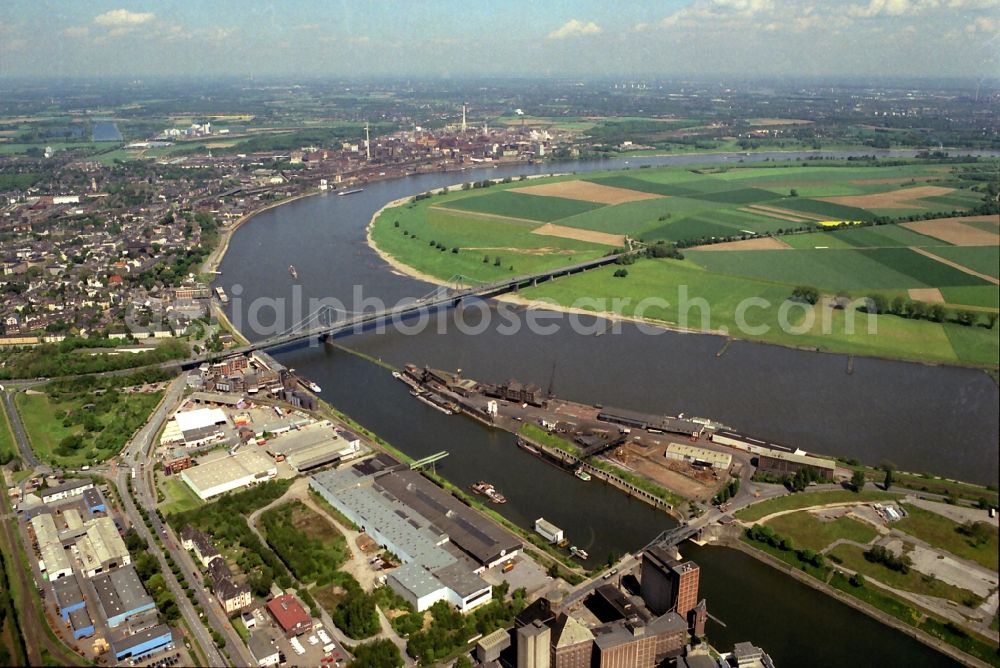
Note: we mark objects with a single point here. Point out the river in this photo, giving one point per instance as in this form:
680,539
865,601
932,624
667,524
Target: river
922,417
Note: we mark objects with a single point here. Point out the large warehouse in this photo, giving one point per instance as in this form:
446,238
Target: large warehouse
313,446
443,543
224,474
122,595
691,454
54,558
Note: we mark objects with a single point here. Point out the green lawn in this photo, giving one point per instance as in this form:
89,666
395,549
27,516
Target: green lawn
853,557
520,205
809,499
809,531
943,533
179,497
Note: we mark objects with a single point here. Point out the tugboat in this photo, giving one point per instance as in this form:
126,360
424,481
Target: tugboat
489,491
582,475
578,553
294,272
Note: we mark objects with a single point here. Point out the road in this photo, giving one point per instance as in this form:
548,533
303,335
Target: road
135,454
20,435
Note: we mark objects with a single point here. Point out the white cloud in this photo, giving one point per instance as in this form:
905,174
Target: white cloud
361,40
76,31
123,17
574,27
640,27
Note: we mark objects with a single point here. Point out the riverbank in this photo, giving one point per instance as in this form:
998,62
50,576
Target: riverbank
735,543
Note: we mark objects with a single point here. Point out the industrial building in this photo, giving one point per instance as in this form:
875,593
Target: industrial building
65,490
101,548
313,446
53,557
533,642
667,585
142,644
572,643
289,615
121,595
228,473
778,462
195,427
635,644
94,501
69,596
443,544
696,456
489,647
81,623
635,420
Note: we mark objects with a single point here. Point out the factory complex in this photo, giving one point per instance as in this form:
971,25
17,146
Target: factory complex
444,545
85,572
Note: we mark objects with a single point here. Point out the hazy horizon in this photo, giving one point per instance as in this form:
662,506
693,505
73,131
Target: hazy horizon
748,39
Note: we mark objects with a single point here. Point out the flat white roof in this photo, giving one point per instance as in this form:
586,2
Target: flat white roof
248,462
198,418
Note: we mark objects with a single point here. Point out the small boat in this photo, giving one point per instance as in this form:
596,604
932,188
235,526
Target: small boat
563,543
489,491
221,294
397,375
311,385
578,553
349,192
293,271
582,475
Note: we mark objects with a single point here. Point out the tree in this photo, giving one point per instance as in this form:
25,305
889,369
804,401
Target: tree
887,483
991,319
876,304
965,317
793,193
806,293
858,480
936,313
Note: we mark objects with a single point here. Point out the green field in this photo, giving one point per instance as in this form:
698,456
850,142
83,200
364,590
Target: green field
943,533
519,205
48,423
853,557
984,259
179,497
809,499
489,233
809,531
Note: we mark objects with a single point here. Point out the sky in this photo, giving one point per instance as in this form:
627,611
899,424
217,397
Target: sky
463,38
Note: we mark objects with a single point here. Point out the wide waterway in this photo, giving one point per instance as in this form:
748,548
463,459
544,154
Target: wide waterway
921,417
